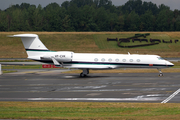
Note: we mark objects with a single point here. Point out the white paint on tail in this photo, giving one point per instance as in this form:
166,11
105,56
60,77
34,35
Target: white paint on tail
33,45
31,41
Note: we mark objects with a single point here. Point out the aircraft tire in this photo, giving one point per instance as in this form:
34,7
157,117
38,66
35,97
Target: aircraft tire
160,74
82,75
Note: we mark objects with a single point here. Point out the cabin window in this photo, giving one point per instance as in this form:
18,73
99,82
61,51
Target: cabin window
138,60
124,60
71,55
131,60
109,59
95,59
102,59
117,60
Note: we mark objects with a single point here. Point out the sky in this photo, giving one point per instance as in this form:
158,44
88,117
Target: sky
173,4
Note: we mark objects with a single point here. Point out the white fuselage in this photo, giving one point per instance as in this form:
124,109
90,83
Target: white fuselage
111,61
107,61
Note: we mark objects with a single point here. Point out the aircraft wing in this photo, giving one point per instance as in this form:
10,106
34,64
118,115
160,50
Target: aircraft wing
94,67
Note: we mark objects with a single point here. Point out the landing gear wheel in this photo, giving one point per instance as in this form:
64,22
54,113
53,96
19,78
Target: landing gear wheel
82,75
160,74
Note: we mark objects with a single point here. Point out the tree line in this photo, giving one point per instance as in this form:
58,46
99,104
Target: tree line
90,15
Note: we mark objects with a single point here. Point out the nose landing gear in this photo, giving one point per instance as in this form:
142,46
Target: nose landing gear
160,73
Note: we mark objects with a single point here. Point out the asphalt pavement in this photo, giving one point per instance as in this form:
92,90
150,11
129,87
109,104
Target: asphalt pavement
53,85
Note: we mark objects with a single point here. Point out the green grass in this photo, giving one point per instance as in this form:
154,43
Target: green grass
9,60
8,71
90,42
71,42
88,110
21,66
100,42
176,64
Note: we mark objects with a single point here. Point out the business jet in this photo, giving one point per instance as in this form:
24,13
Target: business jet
37,51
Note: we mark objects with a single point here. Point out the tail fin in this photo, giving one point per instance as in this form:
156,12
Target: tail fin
33,45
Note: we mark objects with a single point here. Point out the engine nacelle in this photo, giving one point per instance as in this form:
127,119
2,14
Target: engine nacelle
59,56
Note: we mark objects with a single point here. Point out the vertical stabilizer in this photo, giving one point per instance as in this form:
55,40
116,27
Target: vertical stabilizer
33,45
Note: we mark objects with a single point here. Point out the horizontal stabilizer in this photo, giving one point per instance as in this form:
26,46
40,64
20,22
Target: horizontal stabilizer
24,35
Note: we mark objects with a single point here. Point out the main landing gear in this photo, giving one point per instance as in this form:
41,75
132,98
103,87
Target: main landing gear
84,73
160,73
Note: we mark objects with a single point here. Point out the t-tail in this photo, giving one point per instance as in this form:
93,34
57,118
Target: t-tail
33,45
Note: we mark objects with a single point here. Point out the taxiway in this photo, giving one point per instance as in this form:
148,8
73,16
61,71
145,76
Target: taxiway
52,85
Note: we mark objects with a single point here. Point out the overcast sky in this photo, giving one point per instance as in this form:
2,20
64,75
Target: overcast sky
173,4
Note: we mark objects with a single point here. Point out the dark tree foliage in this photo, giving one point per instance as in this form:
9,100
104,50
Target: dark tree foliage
90,15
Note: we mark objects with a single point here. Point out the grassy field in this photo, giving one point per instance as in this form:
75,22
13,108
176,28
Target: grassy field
90,42
89,110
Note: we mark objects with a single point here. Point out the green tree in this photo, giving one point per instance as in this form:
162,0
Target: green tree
90,15
101,19
87,19
149,6
164,20
65,4
120,23
147,21
25,26
16,20
132,22
75,15
53,17
177,23
133,5
175,19
81,3
66,23
24,6
37,19
112,21
4,21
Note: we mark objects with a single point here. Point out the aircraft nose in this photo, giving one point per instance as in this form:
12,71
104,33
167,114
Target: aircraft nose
169,64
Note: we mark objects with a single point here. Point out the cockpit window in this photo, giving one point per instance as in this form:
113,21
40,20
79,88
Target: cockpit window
160,58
